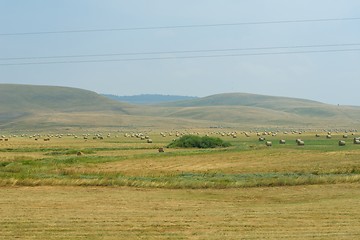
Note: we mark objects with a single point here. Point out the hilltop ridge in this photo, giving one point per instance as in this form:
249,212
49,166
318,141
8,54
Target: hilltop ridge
27,98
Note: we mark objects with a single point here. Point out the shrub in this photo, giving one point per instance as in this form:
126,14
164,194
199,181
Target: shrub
189,141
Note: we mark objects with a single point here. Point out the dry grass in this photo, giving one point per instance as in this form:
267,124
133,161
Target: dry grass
260,161
316,212
67,201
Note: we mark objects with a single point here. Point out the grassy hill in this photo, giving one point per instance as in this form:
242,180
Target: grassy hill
253,100
46,107
25,98
22,104
260,109
49,107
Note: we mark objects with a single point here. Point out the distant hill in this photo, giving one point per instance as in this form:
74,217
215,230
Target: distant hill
46,107
19,102
285,104
32,107
244,99
148,98
29,98
261,109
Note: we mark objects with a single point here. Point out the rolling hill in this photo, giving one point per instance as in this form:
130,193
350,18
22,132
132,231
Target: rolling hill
51,107
291,105
261,109
46,107
30,98
36,106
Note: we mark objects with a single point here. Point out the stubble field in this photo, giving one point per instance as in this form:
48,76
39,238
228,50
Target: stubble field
123,188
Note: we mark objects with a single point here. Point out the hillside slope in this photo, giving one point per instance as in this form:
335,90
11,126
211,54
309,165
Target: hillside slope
286,104
33,107
25,98
245,99
24,102
261,109
44,107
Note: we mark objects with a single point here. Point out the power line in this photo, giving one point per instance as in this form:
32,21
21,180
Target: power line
182,57
180,26
181,52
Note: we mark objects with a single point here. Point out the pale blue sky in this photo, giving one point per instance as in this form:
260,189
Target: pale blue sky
328,77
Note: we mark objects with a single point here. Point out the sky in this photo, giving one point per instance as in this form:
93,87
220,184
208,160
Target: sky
329,74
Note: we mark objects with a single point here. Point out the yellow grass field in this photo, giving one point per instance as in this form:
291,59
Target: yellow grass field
301,212
123,188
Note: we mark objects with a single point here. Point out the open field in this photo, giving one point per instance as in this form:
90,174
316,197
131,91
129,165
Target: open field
128,161
123,188
300,212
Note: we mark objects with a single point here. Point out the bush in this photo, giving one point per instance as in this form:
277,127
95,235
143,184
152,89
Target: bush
190,141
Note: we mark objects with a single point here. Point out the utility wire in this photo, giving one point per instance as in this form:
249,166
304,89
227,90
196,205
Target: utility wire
182,57
180,26
181,52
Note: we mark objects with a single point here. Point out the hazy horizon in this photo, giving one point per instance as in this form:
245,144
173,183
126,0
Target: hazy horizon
300,49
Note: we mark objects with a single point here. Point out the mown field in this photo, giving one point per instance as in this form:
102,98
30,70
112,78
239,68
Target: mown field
123,188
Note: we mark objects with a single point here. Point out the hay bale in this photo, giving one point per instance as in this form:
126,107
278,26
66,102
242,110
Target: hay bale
301,143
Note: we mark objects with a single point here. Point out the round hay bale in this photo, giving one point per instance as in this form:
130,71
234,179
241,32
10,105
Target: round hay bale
301,143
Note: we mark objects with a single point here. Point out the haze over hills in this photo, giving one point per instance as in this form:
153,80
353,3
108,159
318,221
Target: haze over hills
148,98
285,104
39,107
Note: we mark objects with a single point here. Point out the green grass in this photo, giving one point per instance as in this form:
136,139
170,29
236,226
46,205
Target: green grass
131,162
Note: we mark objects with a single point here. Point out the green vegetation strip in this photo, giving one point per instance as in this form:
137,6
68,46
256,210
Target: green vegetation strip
183,180
67,151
